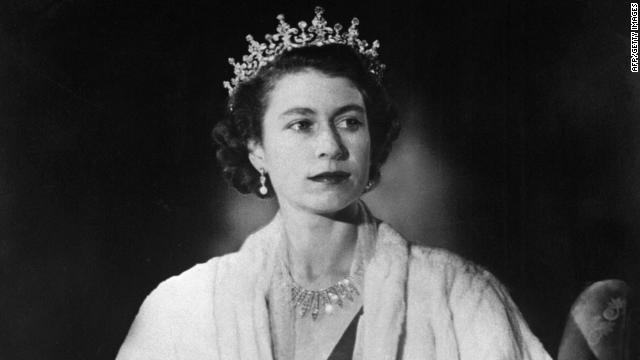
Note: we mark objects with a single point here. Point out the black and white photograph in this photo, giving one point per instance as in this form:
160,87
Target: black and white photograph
319,180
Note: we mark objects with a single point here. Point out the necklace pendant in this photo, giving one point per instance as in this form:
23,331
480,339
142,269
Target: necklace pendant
328,309
312,305
340,293
335,297
306,303
317,302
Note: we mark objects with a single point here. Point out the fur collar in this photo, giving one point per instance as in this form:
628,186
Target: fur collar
242,282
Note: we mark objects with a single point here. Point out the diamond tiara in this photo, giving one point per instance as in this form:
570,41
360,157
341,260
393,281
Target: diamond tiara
288,37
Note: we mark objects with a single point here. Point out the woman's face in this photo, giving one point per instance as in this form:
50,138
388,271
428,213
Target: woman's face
315,142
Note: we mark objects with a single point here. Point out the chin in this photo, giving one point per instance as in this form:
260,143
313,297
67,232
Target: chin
330,203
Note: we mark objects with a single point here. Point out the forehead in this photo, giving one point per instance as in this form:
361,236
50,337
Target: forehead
314,90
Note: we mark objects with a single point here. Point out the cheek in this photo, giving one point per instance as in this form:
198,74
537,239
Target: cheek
361,149
284,161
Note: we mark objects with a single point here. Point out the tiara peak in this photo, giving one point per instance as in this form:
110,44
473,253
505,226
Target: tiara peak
288,37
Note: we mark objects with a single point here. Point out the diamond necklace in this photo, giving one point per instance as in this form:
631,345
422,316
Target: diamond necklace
326,300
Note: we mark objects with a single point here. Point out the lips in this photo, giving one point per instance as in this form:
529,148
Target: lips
330,177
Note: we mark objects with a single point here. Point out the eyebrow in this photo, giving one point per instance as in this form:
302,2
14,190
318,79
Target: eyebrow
349,107
308,111
298,111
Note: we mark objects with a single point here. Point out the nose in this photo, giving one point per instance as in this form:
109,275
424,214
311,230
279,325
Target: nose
329,144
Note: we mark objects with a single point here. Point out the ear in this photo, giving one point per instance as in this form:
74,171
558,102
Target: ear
256,154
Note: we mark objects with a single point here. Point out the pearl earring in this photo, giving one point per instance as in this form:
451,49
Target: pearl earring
263,180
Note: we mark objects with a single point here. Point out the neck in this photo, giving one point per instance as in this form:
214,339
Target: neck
321,247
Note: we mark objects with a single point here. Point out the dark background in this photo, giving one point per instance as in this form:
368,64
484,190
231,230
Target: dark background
108,182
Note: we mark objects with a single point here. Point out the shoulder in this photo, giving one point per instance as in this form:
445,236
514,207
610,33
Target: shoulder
433,263
486,321
462,284
197,283
454,294
190,282
440,258
440,273
179,307
453,269
181,295
180,312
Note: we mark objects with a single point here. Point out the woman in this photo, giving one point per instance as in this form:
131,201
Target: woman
310,123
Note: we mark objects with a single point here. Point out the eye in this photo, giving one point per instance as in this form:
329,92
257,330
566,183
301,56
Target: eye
351,123
301,125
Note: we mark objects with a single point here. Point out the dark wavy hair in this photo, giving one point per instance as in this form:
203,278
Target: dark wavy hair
247,106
